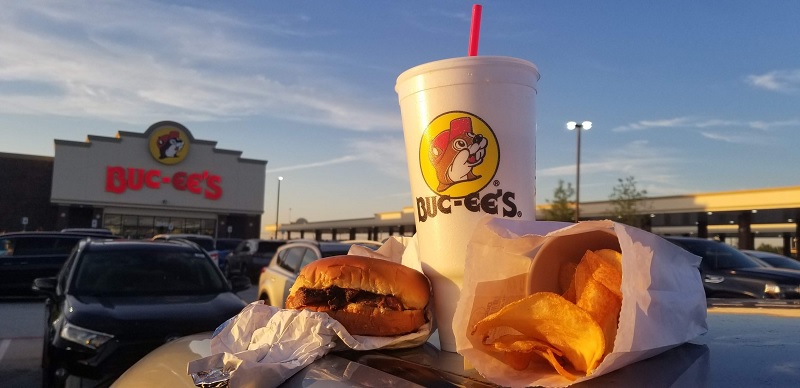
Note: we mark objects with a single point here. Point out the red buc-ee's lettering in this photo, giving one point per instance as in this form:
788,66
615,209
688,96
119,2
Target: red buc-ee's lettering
120,179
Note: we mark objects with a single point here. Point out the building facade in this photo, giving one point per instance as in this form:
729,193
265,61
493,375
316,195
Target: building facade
138,185
743,218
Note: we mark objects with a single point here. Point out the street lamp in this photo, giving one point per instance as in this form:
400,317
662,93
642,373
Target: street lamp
586,125
278,206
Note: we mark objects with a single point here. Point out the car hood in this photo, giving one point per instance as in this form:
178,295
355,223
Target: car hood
152,316
778,275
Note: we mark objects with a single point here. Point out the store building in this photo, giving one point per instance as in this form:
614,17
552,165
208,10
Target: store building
743,218
140,184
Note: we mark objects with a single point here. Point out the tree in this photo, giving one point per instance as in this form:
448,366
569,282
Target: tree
628,202
561,208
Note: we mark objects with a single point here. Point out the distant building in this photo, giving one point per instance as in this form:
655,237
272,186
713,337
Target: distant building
135,184
741,217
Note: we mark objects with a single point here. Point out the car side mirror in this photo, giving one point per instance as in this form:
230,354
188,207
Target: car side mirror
45,286
240,283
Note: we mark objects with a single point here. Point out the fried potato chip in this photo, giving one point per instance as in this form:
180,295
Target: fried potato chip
604,307
604,269
519,351
520,343
607,269
549,318
566,274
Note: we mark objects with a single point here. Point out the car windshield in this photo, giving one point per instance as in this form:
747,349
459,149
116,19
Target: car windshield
780,262
147,272
718,255
335,252
268,246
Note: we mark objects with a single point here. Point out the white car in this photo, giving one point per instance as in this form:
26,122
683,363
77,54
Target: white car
289,259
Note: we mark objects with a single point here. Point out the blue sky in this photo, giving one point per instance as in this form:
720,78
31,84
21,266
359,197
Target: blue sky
686,96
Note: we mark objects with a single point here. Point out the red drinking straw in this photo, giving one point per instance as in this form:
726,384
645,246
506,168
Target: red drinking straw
475,30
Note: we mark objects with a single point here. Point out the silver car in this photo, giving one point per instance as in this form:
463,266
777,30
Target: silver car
747,345
278,277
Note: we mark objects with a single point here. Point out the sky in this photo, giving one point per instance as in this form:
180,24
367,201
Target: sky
685,96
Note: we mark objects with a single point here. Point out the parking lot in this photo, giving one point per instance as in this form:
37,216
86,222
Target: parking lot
21,329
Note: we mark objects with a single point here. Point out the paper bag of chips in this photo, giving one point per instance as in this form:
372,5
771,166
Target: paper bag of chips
551,304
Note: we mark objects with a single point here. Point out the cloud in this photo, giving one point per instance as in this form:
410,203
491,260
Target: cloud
656,169
647,124
385,153
742,137
776,80
141,61
690,122
324,163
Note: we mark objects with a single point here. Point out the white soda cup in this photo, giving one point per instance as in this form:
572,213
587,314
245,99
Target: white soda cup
470,132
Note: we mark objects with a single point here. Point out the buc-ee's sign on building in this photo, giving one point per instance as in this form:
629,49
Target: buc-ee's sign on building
168,145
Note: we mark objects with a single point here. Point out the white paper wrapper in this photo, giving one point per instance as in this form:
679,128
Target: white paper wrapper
263,346
663,302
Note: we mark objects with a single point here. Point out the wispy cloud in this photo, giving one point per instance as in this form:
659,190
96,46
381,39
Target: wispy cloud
648,124
656,169
776,80
741,137
691,122
324,163
386,154
141,61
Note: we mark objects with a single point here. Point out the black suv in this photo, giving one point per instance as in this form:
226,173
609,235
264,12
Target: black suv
115,301
729,273
25,256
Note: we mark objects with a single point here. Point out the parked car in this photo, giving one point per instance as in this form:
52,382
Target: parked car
115,301
715,359
250,256
204,241
102,231
25,256
729,273
225,246
280,274
774,259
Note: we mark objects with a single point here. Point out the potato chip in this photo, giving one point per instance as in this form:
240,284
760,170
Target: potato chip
519,351
565,275
603,269
549,318
604,307
598,280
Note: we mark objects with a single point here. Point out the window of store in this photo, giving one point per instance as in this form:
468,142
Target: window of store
144,227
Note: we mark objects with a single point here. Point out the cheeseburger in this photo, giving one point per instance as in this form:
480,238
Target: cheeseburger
367,296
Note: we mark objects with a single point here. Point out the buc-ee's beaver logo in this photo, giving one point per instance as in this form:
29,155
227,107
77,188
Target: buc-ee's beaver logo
169,145
458,157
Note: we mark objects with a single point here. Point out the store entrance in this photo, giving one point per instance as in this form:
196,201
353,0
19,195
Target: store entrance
144,227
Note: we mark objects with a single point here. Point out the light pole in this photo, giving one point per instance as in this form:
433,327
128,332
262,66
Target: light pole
586,125
278,206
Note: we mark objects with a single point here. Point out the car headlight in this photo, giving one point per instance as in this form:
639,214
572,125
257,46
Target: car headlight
772,288
89,338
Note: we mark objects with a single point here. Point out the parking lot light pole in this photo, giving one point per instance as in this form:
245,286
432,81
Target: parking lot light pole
578,127
278,206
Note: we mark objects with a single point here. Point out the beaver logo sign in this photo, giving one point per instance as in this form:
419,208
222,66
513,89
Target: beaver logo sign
458,157
458,154
168,145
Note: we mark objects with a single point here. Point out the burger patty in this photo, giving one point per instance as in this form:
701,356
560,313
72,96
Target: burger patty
337,298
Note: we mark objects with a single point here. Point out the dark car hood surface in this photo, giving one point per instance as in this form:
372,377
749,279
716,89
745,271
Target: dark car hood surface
778,275
152,316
